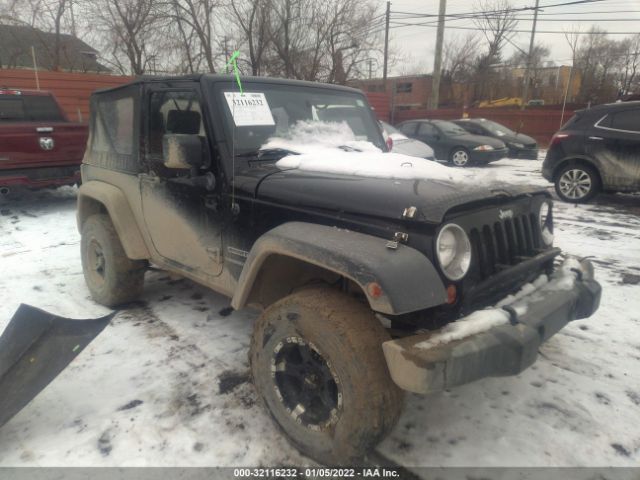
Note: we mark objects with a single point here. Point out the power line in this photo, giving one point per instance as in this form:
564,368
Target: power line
506,10
524,19
400,25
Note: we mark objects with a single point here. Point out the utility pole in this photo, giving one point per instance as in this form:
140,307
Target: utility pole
386,46
527,72
434,99
370,61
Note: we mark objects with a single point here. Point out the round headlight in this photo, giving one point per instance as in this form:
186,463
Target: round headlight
453,251
544,217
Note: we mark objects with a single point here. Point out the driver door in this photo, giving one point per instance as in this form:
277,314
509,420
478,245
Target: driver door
182,230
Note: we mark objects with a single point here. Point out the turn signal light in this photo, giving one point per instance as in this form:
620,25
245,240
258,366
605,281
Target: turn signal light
374,289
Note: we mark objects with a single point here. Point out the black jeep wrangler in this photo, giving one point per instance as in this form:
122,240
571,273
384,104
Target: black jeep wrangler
375,272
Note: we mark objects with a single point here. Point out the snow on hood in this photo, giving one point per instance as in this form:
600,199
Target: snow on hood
310,137
326,148
372,164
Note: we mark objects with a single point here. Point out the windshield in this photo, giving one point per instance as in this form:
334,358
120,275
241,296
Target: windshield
497,129
265,113
449,128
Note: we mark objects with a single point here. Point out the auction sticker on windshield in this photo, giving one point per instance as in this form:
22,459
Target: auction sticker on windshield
249,108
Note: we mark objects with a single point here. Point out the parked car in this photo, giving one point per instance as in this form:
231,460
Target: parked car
39,146
519,144
400,143
454,144
242,193
597,150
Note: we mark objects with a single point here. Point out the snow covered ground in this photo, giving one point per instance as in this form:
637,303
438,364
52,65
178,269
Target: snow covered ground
166,384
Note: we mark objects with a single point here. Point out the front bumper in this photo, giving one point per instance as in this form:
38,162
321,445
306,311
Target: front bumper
486,156
524,153
421,364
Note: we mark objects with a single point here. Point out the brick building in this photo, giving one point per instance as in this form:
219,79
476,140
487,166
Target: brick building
550,83
411,92
406,92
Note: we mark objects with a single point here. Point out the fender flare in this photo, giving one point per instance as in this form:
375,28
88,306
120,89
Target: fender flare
117,206
409,282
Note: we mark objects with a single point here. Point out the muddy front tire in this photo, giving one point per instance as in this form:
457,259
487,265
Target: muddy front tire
318,367
113,279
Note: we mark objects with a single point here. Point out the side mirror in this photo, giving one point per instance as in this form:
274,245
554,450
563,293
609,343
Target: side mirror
181,151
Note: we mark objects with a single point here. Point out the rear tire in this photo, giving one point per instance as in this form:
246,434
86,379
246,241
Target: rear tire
577,183
318,367
112,277
460,157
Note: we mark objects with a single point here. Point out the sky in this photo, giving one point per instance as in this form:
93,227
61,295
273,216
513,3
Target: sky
416,45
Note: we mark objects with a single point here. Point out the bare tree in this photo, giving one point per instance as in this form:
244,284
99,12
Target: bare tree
199,16
460,56
328,41
598,60
253,18
630,64
129,28
496,20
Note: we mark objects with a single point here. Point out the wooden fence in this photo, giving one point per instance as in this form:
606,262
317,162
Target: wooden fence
72,90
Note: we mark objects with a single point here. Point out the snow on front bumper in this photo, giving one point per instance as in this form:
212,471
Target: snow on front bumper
498,341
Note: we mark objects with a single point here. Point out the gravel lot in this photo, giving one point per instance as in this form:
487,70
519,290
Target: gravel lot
166,384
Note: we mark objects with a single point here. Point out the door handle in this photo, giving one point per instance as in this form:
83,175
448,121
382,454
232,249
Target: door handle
596,138
44,129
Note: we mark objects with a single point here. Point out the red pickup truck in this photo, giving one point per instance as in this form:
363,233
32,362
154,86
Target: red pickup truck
39,146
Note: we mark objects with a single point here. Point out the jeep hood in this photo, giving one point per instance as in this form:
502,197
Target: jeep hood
379,197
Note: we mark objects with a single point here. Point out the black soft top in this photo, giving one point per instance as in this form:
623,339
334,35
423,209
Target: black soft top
210,77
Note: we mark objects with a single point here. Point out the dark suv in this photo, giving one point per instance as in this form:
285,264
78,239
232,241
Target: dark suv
597,150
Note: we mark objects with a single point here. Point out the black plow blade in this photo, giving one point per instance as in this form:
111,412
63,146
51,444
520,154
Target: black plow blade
34,348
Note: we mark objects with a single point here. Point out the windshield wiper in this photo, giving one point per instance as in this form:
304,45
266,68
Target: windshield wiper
267,154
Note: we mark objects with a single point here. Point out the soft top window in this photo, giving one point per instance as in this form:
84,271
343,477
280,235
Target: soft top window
114,126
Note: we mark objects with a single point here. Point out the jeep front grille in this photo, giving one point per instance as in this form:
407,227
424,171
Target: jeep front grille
507,242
